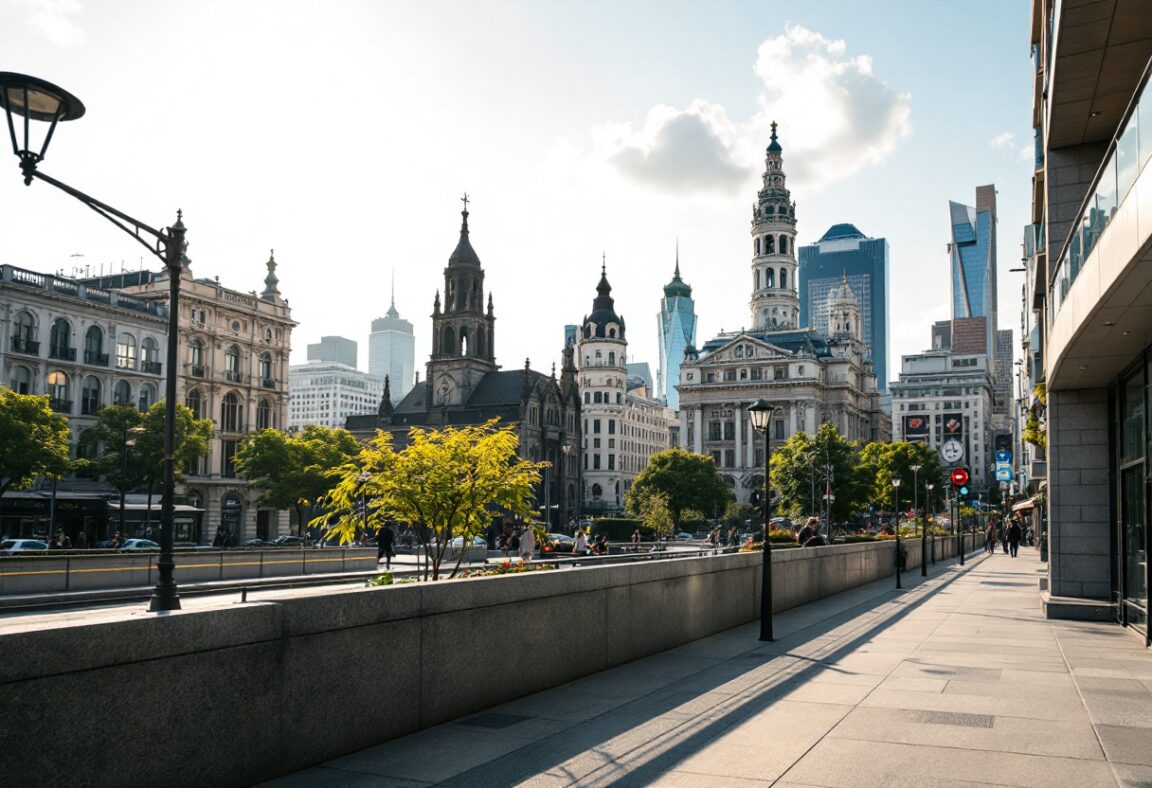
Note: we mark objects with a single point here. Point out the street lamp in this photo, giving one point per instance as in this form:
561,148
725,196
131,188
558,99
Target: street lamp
931,487
31,99
896,512
566,451
761,415
916,515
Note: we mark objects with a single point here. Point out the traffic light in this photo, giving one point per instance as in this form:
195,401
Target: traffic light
959,479
962,492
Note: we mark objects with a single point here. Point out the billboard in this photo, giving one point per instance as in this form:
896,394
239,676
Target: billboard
915,427
953,425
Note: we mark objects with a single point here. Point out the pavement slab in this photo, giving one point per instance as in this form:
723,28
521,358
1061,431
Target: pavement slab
956,681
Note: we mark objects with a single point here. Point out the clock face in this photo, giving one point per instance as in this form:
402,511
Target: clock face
952,451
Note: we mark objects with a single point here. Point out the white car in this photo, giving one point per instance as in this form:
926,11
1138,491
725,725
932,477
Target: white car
13,546
139,544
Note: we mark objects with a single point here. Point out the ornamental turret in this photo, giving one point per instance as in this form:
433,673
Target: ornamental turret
775,303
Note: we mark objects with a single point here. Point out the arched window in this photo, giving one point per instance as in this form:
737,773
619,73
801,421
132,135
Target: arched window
597,397
196,358
90,396
587,332
769,245
480,343
195,403
24,333
125,351
612,333
231,413
447,342
94,347
756,245
150,356
264,368
264,415
783,278
60,340
122,394
86,448
147,396
22,380
611,358
58,392
769,278
232,364
463,342
783,244
597,492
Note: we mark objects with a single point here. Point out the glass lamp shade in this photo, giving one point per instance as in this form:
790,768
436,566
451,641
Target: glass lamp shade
37,99
761,415
896,482
916,468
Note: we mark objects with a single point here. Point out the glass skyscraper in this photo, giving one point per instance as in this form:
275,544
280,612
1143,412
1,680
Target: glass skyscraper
846,254
972,254
677,331
391,352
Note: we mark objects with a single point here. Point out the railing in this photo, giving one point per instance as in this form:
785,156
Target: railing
233,377
151,367
199,371
62,353
96,358
61,405
1128,152
75,289
268,383
28,346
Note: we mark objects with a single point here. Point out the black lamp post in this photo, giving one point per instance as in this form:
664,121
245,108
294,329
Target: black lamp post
896,514
919,519
761,415
29,98
928,503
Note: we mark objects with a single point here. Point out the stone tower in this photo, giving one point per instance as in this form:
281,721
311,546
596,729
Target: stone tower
775,303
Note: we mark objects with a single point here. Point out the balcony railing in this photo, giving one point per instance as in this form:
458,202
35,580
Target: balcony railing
199,371
151,367
62,353
1128,153
61,405
268,383
28,346
96,358
232,376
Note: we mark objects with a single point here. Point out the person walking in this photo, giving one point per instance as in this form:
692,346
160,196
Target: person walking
581,547
385,545
1014,534
990,539
527,544
636,541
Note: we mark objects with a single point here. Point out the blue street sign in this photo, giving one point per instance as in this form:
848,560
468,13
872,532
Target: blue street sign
1003,455
1004,473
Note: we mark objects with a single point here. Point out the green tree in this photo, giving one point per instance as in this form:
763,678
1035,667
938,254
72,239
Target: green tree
737,514
887,461
805,464
191,440
294,471
112,440
451,482
689,481
33,442
654,513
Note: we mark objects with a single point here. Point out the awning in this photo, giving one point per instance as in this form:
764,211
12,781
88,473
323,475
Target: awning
143,507
1023,505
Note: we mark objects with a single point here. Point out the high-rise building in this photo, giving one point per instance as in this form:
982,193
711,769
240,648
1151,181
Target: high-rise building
845,253
337,350
1088,255
571,334
677,331
972,256
775,304
328,389
392,352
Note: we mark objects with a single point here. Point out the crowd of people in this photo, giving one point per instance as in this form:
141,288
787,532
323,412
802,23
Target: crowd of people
1009,534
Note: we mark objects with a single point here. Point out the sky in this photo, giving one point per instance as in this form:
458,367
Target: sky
342,134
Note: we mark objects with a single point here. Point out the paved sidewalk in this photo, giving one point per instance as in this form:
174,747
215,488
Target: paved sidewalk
956,681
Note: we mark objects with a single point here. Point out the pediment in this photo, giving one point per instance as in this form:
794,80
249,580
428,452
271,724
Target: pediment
747,349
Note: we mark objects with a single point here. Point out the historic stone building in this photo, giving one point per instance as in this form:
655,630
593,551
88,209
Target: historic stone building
812,375
464,385
623,426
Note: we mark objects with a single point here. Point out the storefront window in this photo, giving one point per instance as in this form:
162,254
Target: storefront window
1133,504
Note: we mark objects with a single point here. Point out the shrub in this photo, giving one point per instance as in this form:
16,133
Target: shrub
384,579
619,529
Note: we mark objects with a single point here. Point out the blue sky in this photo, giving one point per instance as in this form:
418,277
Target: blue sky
343,133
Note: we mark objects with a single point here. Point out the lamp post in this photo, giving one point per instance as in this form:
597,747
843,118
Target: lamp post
365,477
127,443
31,99
761,415
896,514
928,503
566,452
916,515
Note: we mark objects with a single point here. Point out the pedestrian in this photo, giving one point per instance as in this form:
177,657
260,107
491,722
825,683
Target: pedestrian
81,540
732,539
1004,537
1014,534
385,545
581,546
990,539
527,544
810,529
65,542
506,536
636,541
600,545
117,540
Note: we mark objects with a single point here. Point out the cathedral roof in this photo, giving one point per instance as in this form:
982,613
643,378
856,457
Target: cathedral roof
604,308
464,253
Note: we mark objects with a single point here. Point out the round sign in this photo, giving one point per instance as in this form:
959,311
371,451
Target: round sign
952,450
959,478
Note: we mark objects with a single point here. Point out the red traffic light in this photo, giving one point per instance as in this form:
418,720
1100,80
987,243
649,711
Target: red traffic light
959,477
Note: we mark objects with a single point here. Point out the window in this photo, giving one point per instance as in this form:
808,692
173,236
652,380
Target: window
150,356
595,443
264,415
783,274
611,426
22,380
264,366
757,277
196,357
716,458
596,425
611,462
619,398
756,373
779,373
232,364
714,430
90,396
729,430
730,458
769,248
58,392
126,351
228,459
147,396
770,277
611,358
195,403
598,397
779,430
729,374
60,340
231,413
94,347
24,336
596,462
597,492
122,394
587,398
783,249
756,248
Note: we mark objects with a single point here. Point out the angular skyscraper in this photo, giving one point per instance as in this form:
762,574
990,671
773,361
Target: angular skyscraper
677,331
392,352
846,254
972,254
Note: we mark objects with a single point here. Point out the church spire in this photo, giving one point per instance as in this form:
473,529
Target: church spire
270,281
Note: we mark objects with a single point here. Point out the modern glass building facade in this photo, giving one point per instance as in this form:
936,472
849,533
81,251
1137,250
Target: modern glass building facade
846,253
677,331
392,352
972,254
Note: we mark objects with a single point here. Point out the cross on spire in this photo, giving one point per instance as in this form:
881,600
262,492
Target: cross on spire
464,200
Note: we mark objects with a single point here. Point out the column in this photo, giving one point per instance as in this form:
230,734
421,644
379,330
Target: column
683,428
698,424
792,406
750,462
738,414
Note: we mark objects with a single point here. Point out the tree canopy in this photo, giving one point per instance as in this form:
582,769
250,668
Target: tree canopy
805,464
294,471
688,481
33,440
888,461
450,481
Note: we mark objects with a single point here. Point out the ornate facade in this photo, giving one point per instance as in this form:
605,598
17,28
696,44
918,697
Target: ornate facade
812,375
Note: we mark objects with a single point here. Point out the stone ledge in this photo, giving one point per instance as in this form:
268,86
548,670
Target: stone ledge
1077,609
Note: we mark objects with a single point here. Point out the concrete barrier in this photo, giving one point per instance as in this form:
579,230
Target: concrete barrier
238,694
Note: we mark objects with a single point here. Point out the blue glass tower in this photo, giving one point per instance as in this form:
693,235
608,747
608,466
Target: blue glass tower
846,254
677,330
972,255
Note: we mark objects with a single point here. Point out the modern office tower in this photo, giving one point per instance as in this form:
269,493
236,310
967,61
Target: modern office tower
1090,279
337,350
1002,383
392,352
972,256
571,334
677,332
326,392
845,253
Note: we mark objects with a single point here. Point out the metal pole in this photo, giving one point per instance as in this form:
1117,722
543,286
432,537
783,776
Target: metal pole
164,596
959,533
123,475
923,528
766,574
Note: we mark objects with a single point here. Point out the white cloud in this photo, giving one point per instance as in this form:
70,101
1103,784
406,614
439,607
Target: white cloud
1026,153
1002,140
55,19
835,117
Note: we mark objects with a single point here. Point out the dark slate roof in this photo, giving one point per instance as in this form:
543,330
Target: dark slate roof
842,231
774,145
496,396
604,308
677,287
464,253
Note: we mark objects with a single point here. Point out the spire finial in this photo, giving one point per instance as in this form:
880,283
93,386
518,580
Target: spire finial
393,288
677,276
603,263
464,213
773,131
270,281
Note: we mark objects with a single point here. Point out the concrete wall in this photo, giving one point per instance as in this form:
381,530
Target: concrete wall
240,693
1079,522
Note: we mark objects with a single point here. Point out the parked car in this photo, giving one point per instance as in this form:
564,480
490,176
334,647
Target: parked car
684,537
139,544
255,543
14,546
287,540
477,541
781,523
559,543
